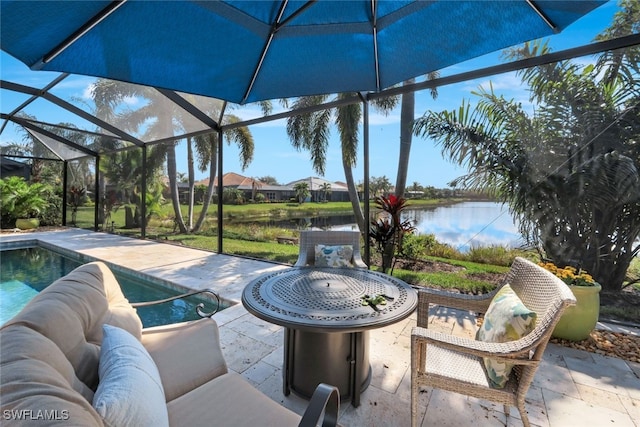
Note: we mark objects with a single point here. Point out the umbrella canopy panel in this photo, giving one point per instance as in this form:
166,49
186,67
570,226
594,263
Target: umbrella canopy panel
246,51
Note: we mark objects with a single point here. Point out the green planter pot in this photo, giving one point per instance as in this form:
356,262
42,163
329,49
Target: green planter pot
578,321
27,223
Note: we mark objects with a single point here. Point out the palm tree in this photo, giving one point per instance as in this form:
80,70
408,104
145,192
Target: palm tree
203,148
326,190
570,171
407,115
311,132
124,169
302,191
158,120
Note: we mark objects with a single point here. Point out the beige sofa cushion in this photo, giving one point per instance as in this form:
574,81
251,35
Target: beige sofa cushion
171,345
231,401
71,312
38,380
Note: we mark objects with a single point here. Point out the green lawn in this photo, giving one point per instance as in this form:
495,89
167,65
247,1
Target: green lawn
260,242
257,241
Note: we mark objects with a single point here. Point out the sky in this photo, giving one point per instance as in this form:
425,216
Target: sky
274,155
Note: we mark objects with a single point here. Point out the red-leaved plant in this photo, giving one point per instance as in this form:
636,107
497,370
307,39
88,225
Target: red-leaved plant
388,229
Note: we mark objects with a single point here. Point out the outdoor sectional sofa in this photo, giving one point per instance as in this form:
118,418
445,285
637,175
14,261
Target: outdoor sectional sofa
53,372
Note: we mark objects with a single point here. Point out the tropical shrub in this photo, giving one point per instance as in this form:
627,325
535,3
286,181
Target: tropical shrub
417,246
570,171
388,229
493,254
52,214
20,199
232,196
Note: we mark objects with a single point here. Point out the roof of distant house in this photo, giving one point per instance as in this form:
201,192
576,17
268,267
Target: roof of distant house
315,184
232,179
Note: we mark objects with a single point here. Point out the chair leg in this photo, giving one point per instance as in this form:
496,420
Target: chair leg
414,400
414,382
523,415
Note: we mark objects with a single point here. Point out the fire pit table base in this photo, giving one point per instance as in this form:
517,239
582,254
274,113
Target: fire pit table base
337,358
326,323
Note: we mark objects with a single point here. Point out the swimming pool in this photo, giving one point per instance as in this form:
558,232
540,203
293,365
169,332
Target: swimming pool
28,270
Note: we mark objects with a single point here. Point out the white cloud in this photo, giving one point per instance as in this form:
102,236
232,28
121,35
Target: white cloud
88,88
131,100
86,93
75,83
507,81
380,119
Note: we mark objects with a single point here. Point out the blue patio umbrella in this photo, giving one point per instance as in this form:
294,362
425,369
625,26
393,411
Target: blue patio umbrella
245,51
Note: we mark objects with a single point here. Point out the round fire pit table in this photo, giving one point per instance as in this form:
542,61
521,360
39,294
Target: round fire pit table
327,322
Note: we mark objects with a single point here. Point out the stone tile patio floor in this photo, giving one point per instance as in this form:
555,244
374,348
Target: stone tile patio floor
571,387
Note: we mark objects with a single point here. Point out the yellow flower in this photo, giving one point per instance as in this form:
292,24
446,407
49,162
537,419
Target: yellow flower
569,275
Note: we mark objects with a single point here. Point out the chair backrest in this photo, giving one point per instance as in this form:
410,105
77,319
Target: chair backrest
542,292
309,240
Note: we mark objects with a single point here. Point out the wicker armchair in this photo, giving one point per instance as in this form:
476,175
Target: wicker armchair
309,240
456,364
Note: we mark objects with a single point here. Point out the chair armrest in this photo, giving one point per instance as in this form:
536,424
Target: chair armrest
199,307
427,296
325,399
477,303
359,262
512,350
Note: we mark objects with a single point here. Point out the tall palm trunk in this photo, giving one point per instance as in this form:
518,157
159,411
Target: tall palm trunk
172,171
191,177
173,186
353,195
102,188
213,166
407,112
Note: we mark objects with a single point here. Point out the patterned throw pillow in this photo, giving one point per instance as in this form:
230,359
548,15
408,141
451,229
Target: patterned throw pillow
333,256
506,319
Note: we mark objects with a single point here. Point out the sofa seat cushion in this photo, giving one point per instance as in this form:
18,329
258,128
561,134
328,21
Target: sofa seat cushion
229,400
71,312
38,382
171,345
130,392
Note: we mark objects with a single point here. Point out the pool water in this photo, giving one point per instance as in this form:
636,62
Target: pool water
27,271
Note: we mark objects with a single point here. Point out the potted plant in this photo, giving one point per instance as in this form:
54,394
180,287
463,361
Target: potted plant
21,202
578,321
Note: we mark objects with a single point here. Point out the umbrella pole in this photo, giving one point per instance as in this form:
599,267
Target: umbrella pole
143,204
220,188
98,203
365,133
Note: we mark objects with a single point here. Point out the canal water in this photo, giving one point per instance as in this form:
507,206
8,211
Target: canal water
461,225
468,224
